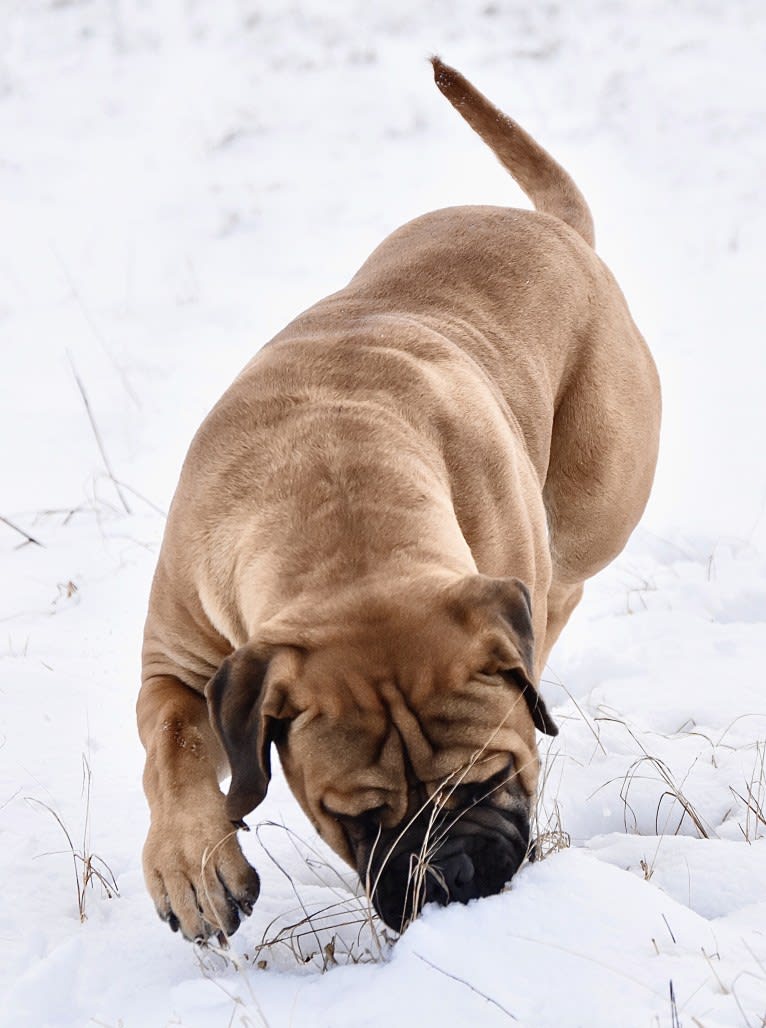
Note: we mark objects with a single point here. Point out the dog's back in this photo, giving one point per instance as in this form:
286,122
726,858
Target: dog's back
474,326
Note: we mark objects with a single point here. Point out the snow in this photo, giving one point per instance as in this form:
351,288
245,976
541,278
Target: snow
178,180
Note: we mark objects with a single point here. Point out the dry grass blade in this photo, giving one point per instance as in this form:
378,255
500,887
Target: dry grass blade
755,800
98,336
547,833
29,538
207,854
674,1018
673,791
88,867
144,499
97,435
307,919
322,925
446,824
462,981
371,885
592,727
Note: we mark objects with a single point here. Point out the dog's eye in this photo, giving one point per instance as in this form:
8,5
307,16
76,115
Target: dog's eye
361,825
370,817
476,792
489,671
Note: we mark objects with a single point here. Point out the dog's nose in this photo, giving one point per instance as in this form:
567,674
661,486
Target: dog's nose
451,879
459,879
484,851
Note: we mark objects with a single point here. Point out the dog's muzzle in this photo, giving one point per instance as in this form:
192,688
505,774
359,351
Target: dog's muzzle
463,855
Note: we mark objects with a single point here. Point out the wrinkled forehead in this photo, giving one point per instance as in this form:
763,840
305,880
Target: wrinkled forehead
422,654
466,730
366,728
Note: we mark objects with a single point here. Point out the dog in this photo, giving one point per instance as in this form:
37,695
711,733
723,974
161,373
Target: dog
378,534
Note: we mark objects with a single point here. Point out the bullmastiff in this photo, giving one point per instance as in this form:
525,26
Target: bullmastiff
378,534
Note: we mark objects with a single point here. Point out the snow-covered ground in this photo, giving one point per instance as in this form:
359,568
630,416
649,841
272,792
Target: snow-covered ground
177,180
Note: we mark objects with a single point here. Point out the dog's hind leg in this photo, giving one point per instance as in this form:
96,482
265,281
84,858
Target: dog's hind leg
562,600
603,453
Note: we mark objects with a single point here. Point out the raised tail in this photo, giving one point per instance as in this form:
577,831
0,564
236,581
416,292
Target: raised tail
542,178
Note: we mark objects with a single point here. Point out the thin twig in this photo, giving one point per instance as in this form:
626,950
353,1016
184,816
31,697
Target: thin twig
288,876
29,538
83,861
468,985
97,434
675,1021
97,334
145,499
594,731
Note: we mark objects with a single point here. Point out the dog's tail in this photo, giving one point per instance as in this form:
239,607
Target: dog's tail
542,178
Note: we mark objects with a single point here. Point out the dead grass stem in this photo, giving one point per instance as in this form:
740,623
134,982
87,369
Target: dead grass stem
97,436
29,539
88,866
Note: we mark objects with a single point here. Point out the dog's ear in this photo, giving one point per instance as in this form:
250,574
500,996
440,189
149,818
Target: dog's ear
507,602
244,705
543,721
515,608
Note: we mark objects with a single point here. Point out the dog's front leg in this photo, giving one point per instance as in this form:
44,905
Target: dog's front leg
195,871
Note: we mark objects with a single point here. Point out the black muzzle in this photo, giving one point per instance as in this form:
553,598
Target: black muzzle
462,856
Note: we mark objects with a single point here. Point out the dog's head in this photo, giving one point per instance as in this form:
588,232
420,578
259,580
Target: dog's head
406,730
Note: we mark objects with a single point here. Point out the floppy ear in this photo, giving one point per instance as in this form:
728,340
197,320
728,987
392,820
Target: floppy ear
535,703
509,600
516,612
235,698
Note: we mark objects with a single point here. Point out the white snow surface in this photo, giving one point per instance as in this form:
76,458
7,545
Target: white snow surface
177,180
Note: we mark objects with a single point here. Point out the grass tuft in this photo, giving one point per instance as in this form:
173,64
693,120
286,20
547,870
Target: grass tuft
89,868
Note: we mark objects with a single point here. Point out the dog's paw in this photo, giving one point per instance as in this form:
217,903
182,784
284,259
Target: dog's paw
197,876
